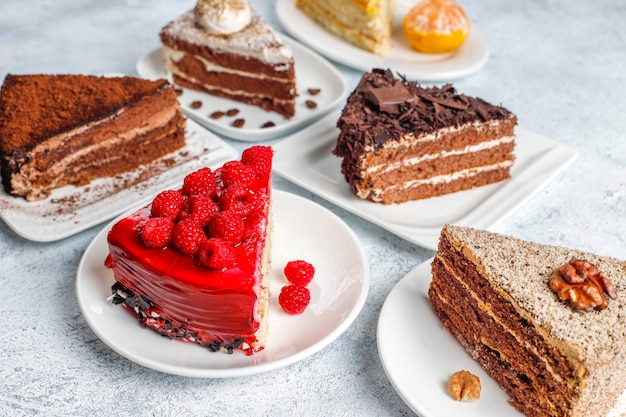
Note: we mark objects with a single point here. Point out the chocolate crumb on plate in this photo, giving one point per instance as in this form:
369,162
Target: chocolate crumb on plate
239,122
310,104
313,91
268,124
196,104
232,112
217,114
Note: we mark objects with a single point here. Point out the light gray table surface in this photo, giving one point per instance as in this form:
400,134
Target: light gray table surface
560,65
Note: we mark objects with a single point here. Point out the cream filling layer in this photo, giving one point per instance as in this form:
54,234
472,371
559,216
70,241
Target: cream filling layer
22,182
384,168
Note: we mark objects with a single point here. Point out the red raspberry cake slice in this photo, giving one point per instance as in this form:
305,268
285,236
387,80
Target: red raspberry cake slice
194,264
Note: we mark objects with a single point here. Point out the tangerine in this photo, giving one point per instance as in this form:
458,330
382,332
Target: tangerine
436,26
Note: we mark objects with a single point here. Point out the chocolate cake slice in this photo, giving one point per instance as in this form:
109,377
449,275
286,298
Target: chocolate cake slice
400,141
57,130
524,311
227,49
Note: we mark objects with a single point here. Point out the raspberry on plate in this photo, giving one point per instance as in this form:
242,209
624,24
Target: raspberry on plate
294,298
299,272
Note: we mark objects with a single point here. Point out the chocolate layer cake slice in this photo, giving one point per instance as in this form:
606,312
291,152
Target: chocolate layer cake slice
400,141
526,312
194,264
227,49
57,130
364,23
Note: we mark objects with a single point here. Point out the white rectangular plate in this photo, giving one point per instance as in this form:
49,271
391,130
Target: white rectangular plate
306,159
69,210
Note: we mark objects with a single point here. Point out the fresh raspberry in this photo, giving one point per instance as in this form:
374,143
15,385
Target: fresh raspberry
187,236
299,272
157,232
259,158
167,204
200,208
216,253
294,298
235,172
238,199
227,225
201,181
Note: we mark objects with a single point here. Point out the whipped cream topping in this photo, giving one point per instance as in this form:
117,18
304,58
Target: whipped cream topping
223,16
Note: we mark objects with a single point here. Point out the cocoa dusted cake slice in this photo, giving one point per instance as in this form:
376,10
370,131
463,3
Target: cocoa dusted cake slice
194,264
546,322
225,48
57,130
399,141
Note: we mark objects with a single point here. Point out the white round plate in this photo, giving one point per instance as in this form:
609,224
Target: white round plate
312,71
466,60
419,355
302,230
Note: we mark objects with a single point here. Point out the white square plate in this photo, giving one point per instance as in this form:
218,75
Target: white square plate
306,159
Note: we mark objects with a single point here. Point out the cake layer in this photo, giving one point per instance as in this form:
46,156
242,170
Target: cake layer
78,128
492,293
366,24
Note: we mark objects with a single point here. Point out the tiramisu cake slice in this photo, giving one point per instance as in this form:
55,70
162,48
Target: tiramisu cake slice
400,141
546,322
57,130
194,264
225,48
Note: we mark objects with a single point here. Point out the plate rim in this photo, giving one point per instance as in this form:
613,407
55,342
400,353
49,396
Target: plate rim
535,176
324,341
23,230
286,9
258,134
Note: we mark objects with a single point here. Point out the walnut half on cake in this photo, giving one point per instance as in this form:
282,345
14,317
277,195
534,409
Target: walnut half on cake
553,357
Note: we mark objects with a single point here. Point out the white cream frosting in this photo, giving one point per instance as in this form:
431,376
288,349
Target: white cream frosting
223,16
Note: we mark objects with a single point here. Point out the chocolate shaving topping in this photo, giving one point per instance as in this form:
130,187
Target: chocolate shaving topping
388,99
